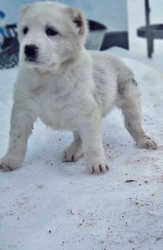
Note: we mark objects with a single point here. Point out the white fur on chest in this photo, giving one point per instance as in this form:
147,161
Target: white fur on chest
59,101
55,112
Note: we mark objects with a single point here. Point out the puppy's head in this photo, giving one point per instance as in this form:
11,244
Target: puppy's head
50,34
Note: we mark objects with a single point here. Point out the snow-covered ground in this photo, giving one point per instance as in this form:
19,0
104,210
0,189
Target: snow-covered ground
48,204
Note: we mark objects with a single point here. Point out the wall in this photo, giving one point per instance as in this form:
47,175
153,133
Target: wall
112,13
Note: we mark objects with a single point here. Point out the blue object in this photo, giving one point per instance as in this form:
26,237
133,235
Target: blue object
2,33
2,14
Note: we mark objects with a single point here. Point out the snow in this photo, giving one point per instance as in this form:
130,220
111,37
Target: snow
48,204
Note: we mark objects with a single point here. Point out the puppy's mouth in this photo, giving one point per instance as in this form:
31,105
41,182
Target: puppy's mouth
28,59
34,62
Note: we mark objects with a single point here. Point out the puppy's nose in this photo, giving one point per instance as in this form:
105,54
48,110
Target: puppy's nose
31,51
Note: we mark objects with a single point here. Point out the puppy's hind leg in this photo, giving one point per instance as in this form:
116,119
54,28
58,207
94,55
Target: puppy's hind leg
131,109
75,150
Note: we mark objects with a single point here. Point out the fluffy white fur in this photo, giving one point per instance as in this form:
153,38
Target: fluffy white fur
68,87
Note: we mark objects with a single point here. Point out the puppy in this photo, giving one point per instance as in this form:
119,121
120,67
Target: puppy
67,87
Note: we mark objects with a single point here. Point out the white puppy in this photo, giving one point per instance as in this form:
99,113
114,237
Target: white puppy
68,87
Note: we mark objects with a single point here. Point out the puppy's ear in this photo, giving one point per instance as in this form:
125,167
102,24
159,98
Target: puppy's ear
24,9
79,20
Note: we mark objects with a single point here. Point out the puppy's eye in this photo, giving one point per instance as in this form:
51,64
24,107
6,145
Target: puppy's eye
51,32
25,30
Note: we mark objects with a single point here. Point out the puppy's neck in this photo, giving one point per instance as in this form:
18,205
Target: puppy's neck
73,61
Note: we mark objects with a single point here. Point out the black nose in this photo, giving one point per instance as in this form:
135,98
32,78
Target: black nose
31,51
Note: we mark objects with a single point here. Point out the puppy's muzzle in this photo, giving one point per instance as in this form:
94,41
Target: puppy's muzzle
31,52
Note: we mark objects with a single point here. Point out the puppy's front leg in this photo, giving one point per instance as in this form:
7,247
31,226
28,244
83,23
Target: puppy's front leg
75,150
91,133
20,129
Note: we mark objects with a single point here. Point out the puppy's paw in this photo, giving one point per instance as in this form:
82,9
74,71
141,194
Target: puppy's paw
147,142
72,154
98,167
9,163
